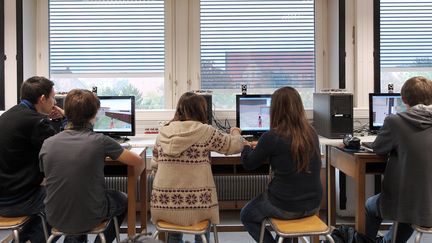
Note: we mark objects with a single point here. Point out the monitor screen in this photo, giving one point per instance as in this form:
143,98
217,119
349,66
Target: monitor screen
116,116
381,105
253,113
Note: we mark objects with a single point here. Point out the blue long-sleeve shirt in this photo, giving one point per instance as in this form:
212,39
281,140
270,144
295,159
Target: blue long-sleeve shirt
288,190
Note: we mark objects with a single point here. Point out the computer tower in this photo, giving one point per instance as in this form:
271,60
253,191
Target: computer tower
333,114
208,97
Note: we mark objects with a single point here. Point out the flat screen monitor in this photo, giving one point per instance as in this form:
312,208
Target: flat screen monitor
253,113
116,116
381,105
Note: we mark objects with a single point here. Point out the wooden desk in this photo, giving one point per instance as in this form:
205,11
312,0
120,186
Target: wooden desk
355,165
131,193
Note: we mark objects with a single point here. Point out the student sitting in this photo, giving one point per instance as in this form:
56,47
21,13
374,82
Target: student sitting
292,149
73,161
184,191
406,138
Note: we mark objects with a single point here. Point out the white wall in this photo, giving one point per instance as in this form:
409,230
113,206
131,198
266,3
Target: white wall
10,52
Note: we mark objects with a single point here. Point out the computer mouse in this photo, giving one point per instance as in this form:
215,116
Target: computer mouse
126,146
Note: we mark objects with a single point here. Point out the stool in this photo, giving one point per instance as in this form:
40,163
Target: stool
308,226
420,230
98,230
16,223
196,229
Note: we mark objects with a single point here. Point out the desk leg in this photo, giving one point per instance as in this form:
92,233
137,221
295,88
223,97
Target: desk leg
360,207
332,194
143,200
131,211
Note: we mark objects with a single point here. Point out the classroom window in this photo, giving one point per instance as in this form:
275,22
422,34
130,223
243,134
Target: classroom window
116,46
405,47
263,44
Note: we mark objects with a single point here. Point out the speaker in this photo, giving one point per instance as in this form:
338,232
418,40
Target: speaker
333,114
208,97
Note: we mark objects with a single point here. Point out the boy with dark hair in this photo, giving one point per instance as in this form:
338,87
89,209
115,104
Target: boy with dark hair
24,128
73,161
406,138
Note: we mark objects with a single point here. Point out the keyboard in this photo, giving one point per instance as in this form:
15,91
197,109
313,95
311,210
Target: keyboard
367,145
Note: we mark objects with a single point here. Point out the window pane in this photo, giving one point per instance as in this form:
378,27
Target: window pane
117,46
405,41
263,44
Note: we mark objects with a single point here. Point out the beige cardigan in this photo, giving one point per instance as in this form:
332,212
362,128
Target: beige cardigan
184,191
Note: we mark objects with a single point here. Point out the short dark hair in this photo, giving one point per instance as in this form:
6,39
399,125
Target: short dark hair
35,87
81,106
417,90
191,107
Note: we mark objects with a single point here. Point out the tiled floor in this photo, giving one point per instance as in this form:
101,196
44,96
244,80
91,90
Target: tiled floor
227,218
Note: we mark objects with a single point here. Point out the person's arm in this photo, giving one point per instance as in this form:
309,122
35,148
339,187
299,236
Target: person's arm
384,142
226,143
131,158
41,131
252,158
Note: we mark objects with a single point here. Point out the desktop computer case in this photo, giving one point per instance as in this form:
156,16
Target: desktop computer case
333,114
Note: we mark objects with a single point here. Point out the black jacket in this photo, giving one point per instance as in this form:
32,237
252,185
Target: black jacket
23,131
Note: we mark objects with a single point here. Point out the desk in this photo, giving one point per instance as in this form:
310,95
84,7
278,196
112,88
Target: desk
131,192
355,165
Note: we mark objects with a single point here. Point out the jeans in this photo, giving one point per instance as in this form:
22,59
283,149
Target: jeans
259,208
117,206
374,219
178,237
32,230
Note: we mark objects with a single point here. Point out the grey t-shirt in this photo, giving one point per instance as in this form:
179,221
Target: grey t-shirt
73,163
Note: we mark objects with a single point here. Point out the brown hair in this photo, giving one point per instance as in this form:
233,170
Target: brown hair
80,107
288,118
417,90
191,107
35,87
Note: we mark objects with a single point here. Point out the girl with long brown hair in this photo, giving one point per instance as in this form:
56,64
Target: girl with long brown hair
292,149
184,191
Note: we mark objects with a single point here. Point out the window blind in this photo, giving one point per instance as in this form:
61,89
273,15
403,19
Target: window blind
405,33
264,44
106,36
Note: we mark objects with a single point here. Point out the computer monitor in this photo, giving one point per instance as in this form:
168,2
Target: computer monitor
381,105
253,113
116,116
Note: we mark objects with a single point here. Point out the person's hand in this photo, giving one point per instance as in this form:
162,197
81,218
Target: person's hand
56,113
253,144
235,131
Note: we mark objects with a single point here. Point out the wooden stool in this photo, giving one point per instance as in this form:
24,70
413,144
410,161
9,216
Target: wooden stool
309,226
420,231
98,230
197,229
16,223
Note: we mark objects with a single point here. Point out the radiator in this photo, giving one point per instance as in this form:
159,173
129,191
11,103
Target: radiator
229,187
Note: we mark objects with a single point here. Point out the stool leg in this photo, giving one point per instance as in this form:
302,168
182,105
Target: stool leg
44,226
102,237
329,238
261,239
16,235
280,239
203,238
117,229
215,232
50,238
395,229
155,234
304,239
418,237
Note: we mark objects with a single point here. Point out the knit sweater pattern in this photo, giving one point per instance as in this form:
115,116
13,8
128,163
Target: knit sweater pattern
184,191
